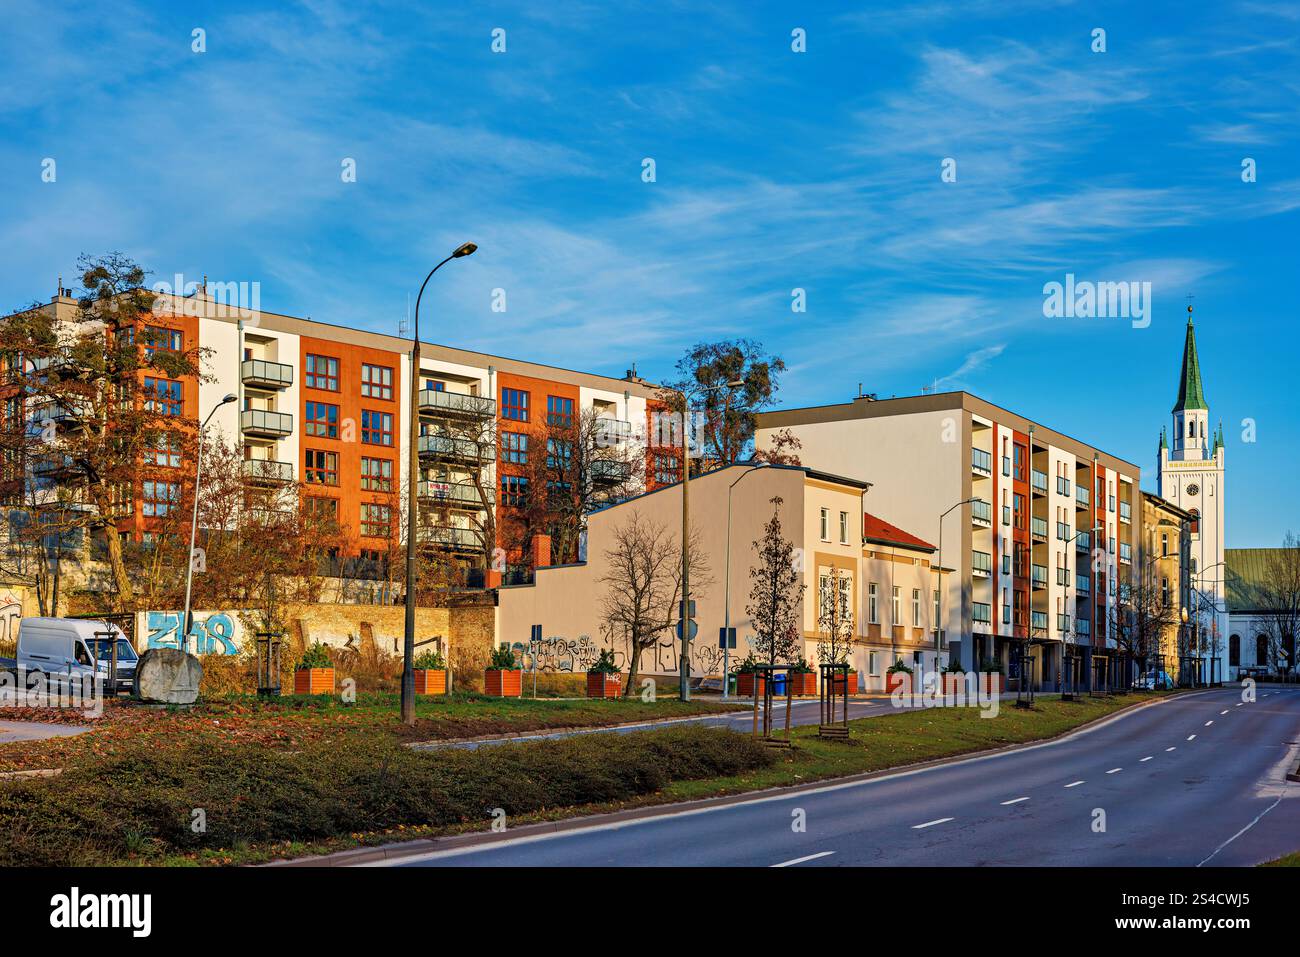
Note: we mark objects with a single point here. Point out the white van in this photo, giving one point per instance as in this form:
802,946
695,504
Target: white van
76,646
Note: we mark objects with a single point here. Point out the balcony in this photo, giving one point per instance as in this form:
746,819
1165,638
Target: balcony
1038,621
610,471
610,433
981,514
454,494
449,537
1125,553
1039,577
981,565
1125,513
265,424
1084,542
1038,480
267,471
1082,627
1038,528
455,405
1082,584
452,449
264,374
981,462
1082,497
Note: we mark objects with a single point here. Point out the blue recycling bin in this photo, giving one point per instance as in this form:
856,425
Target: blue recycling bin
779,682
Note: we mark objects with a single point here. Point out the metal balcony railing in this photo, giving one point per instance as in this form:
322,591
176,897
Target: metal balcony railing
264,374
611,432
459,494
268,471
1038,480
266,423
447,447
981,513
1082,497
449,537
610,470
436,402
981,461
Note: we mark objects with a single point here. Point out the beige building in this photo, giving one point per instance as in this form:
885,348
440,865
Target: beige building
1165,569
885,571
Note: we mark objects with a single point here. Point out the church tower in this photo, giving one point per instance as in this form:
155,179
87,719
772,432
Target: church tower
1191,476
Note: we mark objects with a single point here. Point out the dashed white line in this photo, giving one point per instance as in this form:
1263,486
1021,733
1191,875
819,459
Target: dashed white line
942,820
1147,758
1191,737
1074,784
1240,703
1223,712
1210,722
1114,770
1171,749
1014,801
800,860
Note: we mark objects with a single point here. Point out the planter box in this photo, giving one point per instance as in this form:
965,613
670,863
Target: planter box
602,685
953,682
837,684
991,682
503,684
804,684
897,679
313,681
745,684
430,681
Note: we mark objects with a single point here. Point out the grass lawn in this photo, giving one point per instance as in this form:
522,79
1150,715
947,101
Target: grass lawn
1291,860
292,722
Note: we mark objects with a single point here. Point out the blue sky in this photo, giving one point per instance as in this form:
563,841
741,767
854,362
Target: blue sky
774,170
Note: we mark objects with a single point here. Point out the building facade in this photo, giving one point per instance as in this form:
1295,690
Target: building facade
1260,614
1162,581
1036,526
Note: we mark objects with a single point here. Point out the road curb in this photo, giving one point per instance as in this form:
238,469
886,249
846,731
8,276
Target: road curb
414,848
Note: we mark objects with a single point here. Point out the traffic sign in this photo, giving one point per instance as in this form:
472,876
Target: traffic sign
683,612
693,630
727,638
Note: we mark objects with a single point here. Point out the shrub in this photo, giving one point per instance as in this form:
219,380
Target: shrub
991,664
801,667
429,661
317,656
748,666
604,665
502,658
953,667
899,667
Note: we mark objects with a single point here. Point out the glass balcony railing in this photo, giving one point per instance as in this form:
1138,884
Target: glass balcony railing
1038,480
1082,584
1082,498
266,423
981,564
438,402
610,470
1038,526
447,536
981,461
981,512
266,471
262,373
1038,620
611,432
447,447
1039,576
459,494
1084,542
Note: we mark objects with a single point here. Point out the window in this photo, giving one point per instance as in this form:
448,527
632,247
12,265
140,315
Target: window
322,372
1234,650
897,618
936,608
916,607
162,396
434,385
826,525
844,528
1195,524
873,663
514,490
376,520
514,448
322,420
160,338
322,467
873,612
1018,470
1164,543
667,469
1006,514
376,381
514,405
1018,509
559,455
160,497
327,508
376,475
164,450
376,427
981,612
1261,651
559,411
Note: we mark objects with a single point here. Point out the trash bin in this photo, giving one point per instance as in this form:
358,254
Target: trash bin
731,684
779,682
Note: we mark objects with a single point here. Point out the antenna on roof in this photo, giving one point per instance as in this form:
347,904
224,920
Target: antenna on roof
404,324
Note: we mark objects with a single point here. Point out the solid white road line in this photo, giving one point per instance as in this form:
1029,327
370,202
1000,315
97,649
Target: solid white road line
1014,801
942,820
1074,784
1147,758
1242,831
800,860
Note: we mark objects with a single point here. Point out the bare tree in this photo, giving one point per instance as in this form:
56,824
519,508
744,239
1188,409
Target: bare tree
835,619
776,593
643,586
1278,598
457,456
1143,612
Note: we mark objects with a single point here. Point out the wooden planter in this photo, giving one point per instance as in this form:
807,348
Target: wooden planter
430,681
503,684
745,682
897,679
837,683
804,684
313,681
603,685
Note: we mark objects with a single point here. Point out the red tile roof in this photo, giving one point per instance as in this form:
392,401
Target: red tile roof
878,530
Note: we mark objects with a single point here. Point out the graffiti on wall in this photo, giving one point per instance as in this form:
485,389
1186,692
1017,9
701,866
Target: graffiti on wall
11,612
560,654
213,633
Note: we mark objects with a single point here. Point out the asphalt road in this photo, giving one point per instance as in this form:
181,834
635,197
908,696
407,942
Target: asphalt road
1194,780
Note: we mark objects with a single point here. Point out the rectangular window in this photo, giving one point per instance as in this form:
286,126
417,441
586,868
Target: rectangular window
162,396
322,420
1018,510
844,528
323,507
514,490
559,455
667,469
376,520
376,427
873,663
936,608
981,612
322,468
376,381
160,498
559,411
514,448
514,405
895,612
376,475
161,339
873,613
826,525
164,450
916,608
322,372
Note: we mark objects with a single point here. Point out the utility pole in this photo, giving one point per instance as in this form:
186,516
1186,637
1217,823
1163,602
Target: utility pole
684,665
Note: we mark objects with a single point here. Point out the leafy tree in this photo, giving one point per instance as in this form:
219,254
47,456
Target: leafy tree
776,593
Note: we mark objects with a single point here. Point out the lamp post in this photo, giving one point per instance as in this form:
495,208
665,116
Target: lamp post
726,591
194,519
412,510
1201,602
939,629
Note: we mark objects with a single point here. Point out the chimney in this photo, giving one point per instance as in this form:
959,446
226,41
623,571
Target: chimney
541,551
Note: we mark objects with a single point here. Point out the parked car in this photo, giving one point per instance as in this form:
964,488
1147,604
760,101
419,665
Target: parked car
76,646
1154,681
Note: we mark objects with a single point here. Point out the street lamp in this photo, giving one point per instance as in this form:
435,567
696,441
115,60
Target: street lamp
413,483
726,591
684,665
194,519
939,629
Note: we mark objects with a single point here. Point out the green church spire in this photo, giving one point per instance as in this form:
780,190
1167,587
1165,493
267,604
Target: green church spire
1190,393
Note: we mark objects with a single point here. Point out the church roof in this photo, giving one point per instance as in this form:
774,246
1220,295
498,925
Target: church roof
1190,393
1245,577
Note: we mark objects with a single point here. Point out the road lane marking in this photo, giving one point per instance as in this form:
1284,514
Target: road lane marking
1240,703
1210,722
1114,770
1074,784
1171,749
1147,758
1014,801
1223,712
800,860
942,820
1191,737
